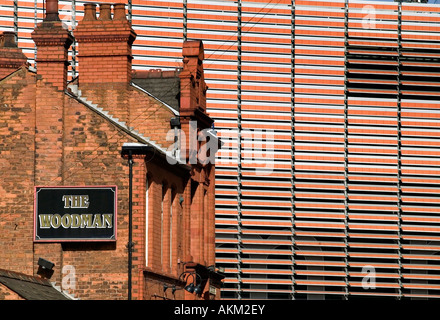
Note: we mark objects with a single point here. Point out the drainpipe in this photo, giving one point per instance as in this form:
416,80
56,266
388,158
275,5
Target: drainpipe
130,219
128,150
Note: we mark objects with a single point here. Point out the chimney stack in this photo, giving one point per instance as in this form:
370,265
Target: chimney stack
193,86
53,40
104,45
11,57
193,90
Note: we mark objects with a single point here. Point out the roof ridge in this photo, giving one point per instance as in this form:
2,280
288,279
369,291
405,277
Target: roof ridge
23,277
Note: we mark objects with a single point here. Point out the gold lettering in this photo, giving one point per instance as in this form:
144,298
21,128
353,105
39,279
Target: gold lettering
85,201
97,222
76,221
108,221
76,201
66,200
55,222
45,220
66,221
86,220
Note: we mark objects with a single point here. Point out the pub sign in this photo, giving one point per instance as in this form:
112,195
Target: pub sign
86,213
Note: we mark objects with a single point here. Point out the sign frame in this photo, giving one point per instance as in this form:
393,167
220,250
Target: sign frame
38,238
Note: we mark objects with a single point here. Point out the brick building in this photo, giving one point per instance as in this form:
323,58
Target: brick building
88,132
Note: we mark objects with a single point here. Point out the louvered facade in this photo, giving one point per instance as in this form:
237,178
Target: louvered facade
327,186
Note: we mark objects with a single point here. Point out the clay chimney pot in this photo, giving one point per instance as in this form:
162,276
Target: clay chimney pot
89,12
119,12
9,39
105,12
52,10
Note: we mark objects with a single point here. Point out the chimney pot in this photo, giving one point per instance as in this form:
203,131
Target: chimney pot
52,10
105,12
89,12
8,40
119,11
11,57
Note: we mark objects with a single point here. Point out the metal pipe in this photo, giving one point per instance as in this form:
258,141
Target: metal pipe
128,149
130,215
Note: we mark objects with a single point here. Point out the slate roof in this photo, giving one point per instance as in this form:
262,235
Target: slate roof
30,287
163,85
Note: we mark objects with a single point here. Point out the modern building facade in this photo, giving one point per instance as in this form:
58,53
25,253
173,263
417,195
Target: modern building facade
327,185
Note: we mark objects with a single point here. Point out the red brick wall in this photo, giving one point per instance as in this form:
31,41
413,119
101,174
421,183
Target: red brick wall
149,117
91,156
17,131
55,140
159,231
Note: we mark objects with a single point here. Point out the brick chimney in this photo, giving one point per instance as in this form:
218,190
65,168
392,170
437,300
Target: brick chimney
11,57
104,45
193,94
193,86
53,41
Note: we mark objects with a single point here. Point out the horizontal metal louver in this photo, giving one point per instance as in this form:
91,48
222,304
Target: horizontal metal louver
329,112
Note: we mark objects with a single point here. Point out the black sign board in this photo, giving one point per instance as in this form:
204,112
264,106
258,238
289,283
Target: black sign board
75,213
